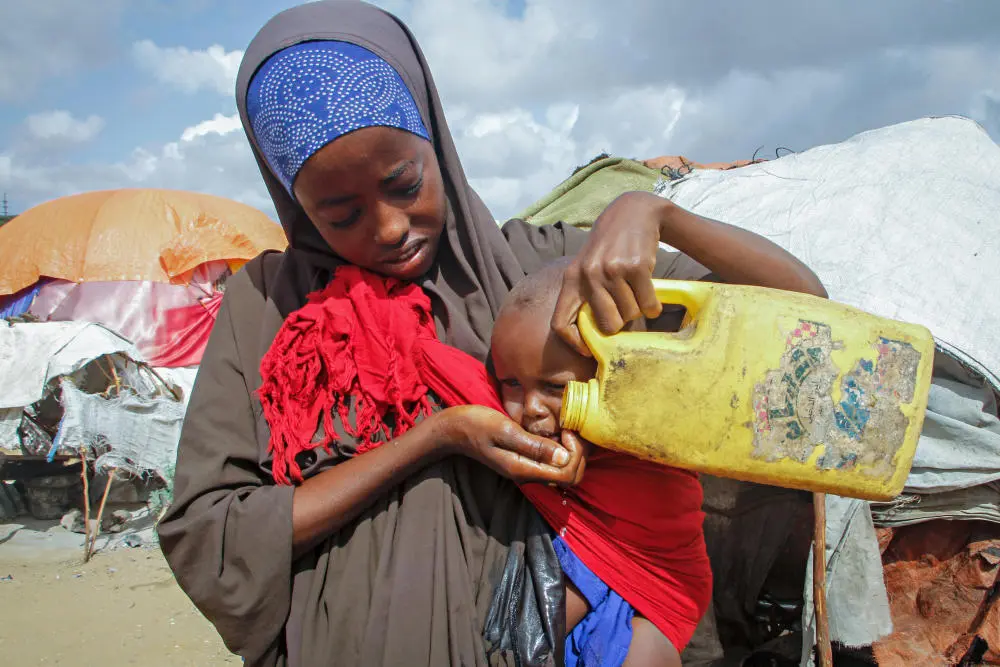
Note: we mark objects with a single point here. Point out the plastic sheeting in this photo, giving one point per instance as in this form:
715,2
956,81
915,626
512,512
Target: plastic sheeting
959,445
857,600
900,221
169,324
978,503
16,305
10,419
136,434
181,379
32,354
110,404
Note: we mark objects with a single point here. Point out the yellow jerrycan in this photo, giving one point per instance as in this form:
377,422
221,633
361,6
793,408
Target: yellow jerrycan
761,385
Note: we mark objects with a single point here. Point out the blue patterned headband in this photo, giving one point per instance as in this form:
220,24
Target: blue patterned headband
309,94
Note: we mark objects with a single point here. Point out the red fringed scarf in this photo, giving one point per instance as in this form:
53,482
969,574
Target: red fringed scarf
364,340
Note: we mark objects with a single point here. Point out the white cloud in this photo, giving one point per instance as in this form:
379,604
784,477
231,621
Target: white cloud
218,124
62,126
187,70
562,48
510,155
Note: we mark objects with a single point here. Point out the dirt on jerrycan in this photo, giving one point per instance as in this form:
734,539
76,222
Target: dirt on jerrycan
761,385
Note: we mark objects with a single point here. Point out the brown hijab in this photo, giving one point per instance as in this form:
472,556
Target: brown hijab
410,581
476,266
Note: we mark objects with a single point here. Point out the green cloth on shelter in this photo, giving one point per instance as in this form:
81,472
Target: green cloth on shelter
583,196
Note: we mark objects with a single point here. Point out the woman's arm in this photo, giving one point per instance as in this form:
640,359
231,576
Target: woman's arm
326,502
614,269
735,255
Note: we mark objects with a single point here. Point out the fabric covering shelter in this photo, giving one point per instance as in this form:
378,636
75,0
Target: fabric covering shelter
169,324
900,221
130,234
33,354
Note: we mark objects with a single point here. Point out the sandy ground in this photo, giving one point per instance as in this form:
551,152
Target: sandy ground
121,608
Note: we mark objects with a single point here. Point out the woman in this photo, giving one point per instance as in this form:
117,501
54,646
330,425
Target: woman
398,556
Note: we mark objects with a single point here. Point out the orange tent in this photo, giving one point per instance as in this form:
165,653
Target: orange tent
130,234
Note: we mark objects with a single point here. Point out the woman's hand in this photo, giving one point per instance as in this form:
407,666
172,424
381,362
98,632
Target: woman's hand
614,270
326,502
496,441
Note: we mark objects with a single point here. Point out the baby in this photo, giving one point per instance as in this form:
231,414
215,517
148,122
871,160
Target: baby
630,537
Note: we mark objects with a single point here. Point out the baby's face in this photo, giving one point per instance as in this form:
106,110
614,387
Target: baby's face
533,365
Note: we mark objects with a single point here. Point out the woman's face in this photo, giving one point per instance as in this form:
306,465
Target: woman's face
376,196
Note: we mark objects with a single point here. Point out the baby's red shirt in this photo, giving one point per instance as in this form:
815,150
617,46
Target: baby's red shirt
638,526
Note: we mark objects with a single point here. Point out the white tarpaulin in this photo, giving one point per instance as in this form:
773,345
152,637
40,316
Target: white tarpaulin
135,431
902,221
131,433
31,354
10,419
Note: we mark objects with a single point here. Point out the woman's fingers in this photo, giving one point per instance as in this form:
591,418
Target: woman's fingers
641,284
495,440
626,300
567,308
613,271
530,458
618,292
579,450
606,315
532,447
523,470
573,443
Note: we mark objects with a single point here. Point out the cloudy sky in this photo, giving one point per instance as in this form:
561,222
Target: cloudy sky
115,93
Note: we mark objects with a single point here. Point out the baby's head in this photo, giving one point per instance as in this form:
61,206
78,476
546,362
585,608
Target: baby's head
531,362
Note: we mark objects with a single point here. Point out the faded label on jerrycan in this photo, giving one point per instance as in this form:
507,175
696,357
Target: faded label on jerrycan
810,410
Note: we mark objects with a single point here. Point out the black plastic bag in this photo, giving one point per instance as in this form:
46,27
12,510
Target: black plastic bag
526,622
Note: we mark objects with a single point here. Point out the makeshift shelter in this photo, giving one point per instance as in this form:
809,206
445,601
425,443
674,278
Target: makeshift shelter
53,374
148,264
78,397
107,300
900,221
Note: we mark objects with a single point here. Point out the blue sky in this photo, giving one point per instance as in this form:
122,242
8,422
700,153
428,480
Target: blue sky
114,93
113,86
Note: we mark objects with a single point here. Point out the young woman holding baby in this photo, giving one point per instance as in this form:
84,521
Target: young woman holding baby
335,502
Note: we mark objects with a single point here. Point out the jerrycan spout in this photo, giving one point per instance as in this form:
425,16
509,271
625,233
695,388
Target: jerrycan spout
576,403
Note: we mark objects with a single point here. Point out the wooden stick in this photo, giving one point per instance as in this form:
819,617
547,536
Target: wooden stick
162,381
114,374
823,647
100,512
86,505
105,374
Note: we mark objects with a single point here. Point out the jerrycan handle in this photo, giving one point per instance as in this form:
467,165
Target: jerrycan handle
693,295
